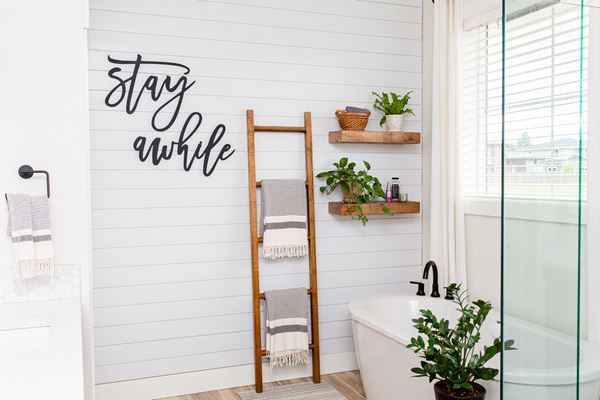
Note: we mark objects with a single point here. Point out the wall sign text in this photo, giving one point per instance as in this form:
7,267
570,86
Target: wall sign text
168,92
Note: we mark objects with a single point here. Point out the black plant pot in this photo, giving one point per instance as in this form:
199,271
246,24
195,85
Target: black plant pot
443,391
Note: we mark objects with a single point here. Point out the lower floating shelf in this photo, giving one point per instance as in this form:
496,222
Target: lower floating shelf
375,208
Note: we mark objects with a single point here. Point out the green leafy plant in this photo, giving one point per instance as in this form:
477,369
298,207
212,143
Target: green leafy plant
359,187
449,352
392,104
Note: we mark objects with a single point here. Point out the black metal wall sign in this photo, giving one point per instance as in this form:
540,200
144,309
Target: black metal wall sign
168,92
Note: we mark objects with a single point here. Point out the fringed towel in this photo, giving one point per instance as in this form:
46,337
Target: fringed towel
287,327
29,230
284,218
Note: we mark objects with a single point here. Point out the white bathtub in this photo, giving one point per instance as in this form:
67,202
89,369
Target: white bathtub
382,327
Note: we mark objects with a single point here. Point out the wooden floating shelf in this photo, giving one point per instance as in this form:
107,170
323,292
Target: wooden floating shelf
381,137
375,208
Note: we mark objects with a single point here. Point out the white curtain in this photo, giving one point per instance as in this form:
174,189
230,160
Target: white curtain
446,227
593,208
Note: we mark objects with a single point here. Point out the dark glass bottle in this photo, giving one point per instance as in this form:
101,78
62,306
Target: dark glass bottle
395,188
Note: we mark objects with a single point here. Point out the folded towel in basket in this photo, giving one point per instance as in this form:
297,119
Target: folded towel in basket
287,327
284,218
351,109
29,231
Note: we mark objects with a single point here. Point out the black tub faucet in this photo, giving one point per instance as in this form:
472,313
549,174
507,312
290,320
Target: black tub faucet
435,292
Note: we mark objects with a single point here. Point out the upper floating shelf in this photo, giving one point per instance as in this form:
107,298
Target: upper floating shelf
381,137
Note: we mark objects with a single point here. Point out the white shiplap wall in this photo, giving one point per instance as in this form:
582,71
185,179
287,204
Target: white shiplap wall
171,251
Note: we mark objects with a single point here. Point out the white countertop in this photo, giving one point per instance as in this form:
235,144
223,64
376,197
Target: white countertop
41,350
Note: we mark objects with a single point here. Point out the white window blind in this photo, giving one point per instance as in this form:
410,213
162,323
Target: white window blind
542,105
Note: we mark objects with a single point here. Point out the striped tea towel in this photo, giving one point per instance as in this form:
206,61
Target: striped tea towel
29,230
284,218
287,327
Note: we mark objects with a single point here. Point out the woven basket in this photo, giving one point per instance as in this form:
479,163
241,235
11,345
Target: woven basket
350,121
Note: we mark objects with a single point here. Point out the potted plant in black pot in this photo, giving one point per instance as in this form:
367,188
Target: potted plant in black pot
449,354
358,186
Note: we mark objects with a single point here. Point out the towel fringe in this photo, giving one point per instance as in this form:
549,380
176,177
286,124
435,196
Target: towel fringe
288,358
29,269
285,250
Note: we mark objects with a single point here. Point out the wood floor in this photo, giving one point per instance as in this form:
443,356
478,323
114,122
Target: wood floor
347,383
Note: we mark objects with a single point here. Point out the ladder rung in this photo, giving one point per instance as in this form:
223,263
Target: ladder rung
262,295
259,184
264,352
260,239
298,129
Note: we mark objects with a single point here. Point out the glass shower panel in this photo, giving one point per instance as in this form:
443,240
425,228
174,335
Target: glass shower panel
543,142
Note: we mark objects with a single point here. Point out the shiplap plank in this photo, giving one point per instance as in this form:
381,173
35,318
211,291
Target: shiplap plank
116,238
232,117
172,348
196,198
128,160
216,108
306,15
181,216
207,252
123,315
131,218
342,76
144,336
115,372
211,97
173,179
146,43
102,140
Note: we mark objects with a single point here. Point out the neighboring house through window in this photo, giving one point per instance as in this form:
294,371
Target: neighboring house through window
542,105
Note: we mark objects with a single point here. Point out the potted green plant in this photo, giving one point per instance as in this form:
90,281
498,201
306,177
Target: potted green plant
358,186
393,108
449,352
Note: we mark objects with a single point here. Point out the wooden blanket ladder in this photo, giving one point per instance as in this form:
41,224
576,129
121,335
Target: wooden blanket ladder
255,240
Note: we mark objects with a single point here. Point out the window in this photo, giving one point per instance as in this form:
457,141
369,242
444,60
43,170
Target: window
542,105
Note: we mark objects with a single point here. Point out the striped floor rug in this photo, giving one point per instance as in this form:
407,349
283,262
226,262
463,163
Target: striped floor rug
297,391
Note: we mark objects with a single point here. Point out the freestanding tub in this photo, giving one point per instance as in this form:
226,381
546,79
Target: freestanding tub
382,327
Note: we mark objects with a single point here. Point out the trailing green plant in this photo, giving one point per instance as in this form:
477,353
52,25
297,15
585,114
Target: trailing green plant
392,104
449,352
359,186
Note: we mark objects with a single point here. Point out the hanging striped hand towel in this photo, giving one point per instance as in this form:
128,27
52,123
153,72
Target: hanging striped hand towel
284,218
29,230
287,327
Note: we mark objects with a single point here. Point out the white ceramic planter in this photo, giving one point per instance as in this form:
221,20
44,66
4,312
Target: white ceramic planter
394,122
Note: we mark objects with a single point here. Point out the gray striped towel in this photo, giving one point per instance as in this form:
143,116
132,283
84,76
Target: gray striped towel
287,327
284,218
351,109
29,230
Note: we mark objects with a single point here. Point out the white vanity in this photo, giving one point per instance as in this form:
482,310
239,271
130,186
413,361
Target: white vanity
41,350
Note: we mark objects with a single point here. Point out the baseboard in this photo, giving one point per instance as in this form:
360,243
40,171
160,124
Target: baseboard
202,381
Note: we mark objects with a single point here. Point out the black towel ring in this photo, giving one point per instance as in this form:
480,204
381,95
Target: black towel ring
26,172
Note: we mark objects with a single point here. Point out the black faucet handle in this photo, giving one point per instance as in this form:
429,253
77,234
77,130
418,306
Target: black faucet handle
449,295
421,287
